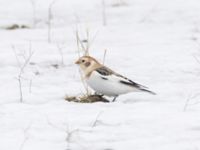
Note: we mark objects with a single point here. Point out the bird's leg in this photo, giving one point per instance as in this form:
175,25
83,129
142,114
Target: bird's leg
114,98
95,93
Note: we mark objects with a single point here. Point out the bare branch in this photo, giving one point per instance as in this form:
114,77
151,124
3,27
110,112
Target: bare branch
22,68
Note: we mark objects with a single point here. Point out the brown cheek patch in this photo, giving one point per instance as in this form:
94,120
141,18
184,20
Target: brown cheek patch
87,64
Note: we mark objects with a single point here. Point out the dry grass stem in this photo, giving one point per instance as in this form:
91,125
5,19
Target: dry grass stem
22,67
104,56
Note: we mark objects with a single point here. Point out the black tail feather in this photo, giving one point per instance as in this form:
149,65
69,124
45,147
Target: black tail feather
145,90
136,85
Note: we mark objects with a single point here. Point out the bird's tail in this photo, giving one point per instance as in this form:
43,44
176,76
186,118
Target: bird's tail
148,91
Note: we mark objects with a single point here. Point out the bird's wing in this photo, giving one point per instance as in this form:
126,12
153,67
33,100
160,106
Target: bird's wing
104,71
107,74
129,82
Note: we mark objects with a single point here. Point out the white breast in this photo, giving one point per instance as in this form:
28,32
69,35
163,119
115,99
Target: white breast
108,85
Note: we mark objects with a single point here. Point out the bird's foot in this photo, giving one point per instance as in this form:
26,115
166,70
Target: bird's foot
114,98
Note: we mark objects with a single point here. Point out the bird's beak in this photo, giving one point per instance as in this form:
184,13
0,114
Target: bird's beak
77,62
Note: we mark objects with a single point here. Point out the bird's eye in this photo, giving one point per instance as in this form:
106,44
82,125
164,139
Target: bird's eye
83,61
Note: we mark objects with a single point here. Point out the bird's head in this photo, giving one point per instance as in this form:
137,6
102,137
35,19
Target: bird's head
87,64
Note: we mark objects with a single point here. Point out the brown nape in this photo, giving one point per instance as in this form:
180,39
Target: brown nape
87,64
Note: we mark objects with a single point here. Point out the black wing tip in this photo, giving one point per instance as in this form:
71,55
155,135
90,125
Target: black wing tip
131,83
148,91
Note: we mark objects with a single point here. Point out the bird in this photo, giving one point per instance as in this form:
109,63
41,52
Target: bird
105,81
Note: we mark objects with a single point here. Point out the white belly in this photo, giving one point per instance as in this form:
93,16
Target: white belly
109,86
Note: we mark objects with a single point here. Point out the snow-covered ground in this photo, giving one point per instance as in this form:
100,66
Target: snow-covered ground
153,42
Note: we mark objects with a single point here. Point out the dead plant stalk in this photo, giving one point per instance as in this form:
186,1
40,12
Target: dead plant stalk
22,68
50,18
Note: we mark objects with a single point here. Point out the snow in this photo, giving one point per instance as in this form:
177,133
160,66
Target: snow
154,43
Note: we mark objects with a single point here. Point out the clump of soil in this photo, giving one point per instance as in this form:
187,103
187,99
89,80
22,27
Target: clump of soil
87,99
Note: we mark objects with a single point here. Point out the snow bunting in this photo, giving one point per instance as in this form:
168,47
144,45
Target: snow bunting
105,81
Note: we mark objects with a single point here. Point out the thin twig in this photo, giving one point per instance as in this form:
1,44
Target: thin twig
92,40
14,50
84,83
30,86
104,56
69,132
69,136
50,18
187,102
26,136
61,54
33,4
104,13
96,119
86,52
195,57
22,68
87,39
80,42
190,97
